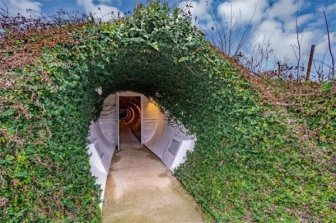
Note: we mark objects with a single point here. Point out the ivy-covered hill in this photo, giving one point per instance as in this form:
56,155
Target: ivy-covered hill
252,161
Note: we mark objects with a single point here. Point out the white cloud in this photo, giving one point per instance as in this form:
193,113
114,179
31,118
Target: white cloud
199,11
322,46
279,27
282,40
242,10
110,1
102,11
283,9
328,9
302,20
23,7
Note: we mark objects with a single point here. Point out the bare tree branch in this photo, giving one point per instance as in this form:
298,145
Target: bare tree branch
228,42
329,46
247,31
297,51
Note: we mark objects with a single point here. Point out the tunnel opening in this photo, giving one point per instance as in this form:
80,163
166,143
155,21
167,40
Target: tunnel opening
129,117
139,176
130,121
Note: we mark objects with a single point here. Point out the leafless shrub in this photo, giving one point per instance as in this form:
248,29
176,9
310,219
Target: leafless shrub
258,63
230,38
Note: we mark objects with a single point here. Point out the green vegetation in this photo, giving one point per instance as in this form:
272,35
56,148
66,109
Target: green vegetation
313,107
249,163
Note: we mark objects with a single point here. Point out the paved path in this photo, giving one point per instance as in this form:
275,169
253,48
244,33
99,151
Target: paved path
141,189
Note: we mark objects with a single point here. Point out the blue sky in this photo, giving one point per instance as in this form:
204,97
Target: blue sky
273,20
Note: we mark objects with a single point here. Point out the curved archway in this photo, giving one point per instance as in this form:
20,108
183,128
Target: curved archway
132,170
157,133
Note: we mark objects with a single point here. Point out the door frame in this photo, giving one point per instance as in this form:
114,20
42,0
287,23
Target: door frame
142,119
131,94
118,122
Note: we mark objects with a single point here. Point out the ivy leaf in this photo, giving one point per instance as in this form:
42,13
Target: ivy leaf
182,59
155,45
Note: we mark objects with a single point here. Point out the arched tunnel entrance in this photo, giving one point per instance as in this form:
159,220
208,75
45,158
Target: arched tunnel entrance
134,149
134,112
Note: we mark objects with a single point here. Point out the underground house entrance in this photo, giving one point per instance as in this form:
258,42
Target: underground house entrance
134,152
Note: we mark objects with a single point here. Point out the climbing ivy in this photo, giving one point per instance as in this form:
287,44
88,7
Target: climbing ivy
247,164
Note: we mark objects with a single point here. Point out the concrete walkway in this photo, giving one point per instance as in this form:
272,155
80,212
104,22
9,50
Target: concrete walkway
141,189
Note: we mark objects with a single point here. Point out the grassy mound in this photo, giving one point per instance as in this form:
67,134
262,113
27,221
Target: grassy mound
249,163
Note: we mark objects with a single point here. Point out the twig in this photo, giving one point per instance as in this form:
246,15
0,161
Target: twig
329,46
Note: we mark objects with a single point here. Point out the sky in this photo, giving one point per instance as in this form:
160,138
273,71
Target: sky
272,21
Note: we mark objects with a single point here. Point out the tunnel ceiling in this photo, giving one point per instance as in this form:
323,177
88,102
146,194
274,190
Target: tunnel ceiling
246,156
126,101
